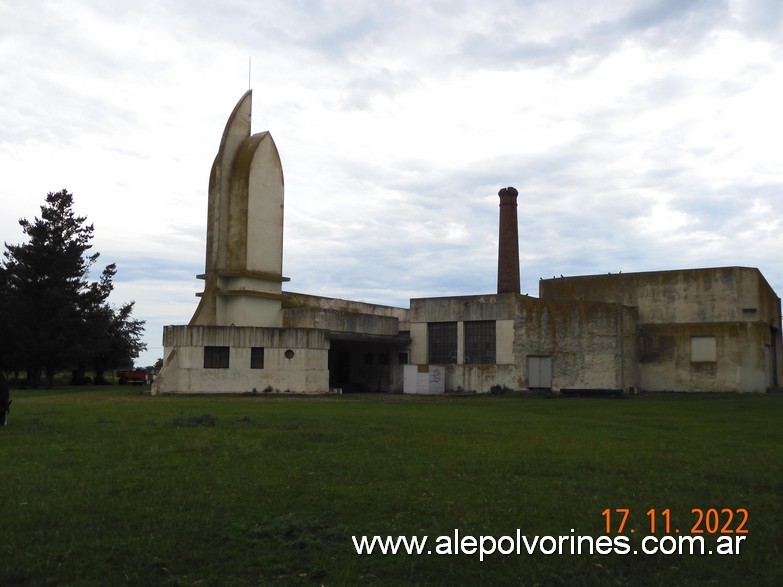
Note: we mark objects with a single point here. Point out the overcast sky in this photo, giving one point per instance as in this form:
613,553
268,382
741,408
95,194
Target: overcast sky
641,135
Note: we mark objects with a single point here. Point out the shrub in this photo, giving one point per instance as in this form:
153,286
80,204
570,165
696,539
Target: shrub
498,389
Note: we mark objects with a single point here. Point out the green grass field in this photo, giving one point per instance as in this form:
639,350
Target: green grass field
113,487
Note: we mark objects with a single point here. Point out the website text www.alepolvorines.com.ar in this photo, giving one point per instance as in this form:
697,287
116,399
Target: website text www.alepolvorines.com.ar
519,544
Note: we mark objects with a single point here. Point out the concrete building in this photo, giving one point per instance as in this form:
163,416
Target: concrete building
688,330
697,329
246,333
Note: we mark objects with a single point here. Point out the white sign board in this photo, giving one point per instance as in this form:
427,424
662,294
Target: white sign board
424,379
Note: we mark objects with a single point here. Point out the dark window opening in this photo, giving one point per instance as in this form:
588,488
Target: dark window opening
656,349
216,357
257,358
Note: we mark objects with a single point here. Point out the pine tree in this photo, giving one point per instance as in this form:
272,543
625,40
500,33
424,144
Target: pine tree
116,342
56,315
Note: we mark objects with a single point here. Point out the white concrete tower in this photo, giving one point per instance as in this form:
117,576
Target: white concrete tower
244,261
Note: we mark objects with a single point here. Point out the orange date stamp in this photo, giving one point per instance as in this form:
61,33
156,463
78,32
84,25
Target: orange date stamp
703,521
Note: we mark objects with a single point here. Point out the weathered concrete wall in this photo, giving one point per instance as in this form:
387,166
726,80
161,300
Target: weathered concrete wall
586,340
499,308
630,345
294,360
670,297
200,336
479,378
299,300
735,305
741,364
463,308
593,345
340,321
248,302
236,131
260,163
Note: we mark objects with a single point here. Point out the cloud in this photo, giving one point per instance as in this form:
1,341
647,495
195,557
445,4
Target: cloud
640,135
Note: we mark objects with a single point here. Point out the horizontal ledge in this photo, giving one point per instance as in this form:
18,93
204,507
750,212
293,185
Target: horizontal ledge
247,273
395,339
250,293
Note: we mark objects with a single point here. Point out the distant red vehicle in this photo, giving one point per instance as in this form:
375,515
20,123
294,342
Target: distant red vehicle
135,376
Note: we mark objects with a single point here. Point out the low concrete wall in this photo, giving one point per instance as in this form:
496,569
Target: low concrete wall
480,378
295,360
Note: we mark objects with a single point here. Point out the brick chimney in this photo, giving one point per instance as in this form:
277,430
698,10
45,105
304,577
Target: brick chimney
508,243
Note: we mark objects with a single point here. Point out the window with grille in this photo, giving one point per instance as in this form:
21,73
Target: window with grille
480,341
442,342
216,357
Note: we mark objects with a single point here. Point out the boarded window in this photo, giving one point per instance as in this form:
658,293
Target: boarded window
442,342
216,357
657,349
703,349
480,341
257,357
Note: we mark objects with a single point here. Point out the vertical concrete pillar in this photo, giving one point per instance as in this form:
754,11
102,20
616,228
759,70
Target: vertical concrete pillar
508,243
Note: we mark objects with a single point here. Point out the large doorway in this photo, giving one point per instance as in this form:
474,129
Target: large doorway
339,367
367,365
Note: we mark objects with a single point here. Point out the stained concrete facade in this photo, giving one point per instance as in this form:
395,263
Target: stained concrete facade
293,359
698,329
690,330
585,345
244,260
